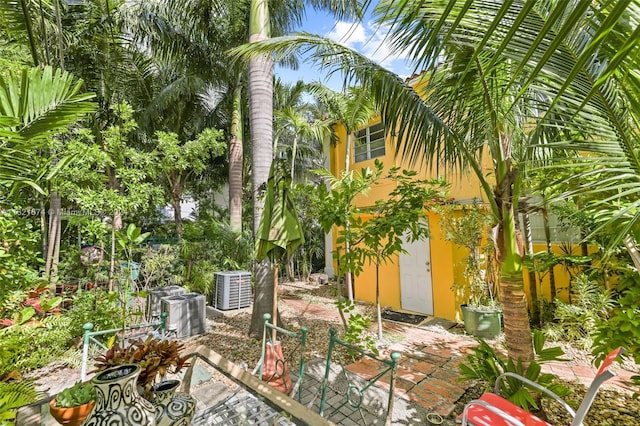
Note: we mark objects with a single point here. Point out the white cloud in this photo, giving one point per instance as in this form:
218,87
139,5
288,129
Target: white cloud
368,39
350,34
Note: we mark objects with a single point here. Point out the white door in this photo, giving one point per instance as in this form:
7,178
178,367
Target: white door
416,292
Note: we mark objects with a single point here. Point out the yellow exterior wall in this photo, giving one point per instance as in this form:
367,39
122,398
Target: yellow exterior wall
447,260
444,255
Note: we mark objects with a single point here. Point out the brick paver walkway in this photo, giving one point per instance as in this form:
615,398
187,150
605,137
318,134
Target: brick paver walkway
428,378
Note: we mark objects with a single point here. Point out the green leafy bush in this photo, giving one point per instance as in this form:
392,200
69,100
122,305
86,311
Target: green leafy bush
577,321
486,365
357,327
14,395
95,306
622,328
78,394
160,267
19,258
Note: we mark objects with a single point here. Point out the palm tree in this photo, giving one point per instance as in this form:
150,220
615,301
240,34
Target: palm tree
508,79
33,107
260,85
299,129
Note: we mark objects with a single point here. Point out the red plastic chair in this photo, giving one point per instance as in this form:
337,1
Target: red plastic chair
493,410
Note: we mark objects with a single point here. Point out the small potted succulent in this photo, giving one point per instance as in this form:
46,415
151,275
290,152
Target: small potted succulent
155,357
73,405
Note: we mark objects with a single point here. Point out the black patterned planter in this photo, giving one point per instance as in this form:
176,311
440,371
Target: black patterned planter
118,401
172,408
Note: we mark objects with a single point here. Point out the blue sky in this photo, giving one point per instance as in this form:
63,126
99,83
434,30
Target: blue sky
365,37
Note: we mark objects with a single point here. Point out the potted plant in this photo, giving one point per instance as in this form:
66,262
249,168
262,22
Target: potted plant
480,311
73,405
155,357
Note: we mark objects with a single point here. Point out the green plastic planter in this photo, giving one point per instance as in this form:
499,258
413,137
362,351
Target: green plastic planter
482,321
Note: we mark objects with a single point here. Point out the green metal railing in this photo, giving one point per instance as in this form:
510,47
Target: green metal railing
268,407
355,391
279,371
90,337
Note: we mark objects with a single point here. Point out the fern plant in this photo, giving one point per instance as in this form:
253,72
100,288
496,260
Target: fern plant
14,395
485,364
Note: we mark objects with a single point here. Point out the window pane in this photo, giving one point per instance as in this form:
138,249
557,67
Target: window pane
369,143
360,157
360,149
376,132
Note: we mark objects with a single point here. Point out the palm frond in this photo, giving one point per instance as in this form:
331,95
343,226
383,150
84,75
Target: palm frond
45,101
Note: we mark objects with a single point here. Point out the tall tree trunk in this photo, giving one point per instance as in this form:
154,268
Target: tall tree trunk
177,215
30,35
55,205
293,156
116,224
291,277
517,329
378,308
236,162
261,104
56,251
348,280
43,229
56,202
533,284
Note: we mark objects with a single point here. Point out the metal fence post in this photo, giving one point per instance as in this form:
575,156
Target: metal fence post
163,324
85,350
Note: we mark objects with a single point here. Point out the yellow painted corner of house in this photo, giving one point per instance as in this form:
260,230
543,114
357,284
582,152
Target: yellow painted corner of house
442,271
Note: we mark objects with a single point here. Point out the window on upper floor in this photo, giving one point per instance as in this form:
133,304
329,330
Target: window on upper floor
369,143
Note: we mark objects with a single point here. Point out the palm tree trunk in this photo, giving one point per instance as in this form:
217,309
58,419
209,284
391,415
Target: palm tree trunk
43,228
517,329
30,34
261,109
348,280
54,242
533,284
293,156
235,162
378,309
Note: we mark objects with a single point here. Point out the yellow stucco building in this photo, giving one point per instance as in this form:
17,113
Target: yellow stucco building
421,280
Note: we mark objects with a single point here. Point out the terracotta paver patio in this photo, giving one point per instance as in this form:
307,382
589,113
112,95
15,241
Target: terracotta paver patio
428,376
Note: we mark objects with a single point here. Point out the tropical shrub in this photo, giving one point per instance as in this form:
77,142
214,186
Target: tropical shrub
357,330
160,267
156,358
577,321
210,246
36,343
96,306
485,364
19,255
622,328
14,395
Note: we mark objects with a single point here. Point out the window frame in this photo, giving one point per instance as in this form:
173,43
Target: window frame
369,148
